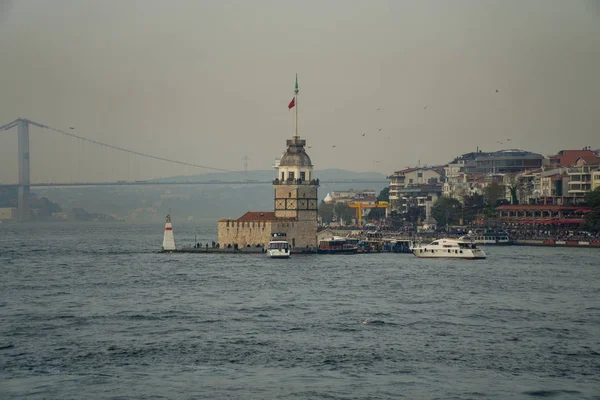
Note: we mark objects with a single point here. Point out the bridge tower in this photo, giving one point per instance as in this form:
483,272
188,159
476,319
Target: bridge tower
24,204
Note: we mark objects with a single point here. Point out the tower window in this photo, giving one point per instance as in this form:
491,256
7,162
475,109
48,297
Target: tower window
291,175
303,175
283,176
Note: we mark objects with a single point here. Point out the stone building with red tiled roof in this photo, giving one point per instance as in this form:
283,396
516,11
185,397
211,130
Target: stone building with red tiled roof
295,206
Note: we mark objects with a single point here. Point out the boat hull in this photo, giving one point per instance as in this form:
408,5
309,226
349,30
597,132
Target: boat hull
459,254
338,251
278,254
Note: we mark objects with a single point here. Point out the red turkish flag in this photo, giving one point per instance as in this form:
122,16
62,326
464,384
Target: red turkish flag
292,104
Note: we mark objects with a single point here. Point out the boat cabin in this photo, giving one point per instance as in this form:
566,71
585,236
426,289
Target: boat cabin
278,245
453,244
338,244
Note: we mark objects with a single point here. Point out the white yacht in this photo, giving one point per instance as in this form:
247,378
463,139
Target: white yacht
278,246
449,248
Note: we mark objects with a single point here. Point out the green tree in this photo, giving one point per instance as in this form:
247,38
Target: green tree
472,207
326,212
414,214
592,219
493,193
343,211
592,198
446,210
514,187
384,195
378,213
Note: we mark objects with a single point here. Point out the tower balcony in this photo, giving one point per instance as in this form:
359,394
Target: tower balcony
314,182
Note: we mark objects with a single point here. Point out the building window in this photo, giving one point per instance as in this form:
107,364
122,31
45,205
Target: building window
303,175
291,175
419,174
410,181
283,176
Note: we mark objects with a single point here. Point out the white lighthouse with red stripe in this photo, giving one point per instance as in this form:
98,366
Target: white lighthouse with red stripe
168,238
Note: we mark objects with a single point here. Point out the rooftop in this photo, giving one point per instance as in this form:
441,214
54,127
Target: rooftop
295,155
567,158
253,216
538,207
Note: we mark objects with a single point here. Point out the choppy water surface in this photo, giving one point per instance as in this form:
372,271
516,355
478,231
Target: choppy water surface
92,311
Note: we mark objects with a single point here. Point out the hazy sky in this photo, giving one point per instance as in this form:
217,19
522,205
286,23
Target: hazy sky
208,82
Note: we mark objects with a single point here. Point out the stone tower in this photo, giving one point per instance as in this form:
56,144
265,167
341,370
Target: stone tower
296,190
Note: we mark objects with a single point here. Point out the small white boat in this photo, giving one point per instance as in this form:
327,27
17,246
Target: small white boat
278,246
449,248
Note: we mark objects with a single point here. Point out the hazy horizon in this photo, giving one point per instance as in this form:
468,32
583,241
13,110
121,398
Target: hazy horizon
209,82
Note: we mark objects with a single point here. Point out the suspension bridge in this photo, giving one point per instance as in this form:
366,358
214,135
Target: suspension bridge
88,162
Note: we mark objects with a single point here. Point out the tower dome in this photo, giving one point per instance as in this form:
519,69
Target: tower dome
295,164
295,155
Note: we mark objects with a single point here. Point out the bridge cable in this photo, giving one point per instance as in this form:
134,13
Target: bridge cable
127,150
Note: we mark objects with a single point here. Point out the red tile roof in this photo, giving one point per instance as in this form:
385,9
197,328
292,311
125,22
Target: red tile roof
405,171
259,216
567,158
538,208
551,221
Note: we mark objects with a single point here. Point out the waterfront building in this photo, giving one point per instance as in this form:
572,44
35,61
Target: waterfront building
542,214
568,158
523,184
583,178
501,162
421,196
549,187
459,186
352,195
414,186
295,202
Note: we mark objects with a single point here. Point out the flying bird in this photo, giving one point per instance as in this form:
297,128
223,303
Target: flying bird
379,129
425,108
333,145
379,109
364,134
508,140
309,147
497,91
376,162
71,127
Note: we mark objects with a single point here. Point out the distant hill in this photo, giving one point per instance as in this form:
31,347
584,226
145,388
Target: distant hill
267,175
200,202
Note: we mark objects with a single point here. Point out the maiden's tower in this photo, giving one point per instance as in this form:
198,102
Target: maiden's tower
295,202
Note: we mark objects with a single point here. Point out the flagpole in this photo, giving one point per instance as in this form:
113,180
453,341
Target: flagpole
296,115
296,106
